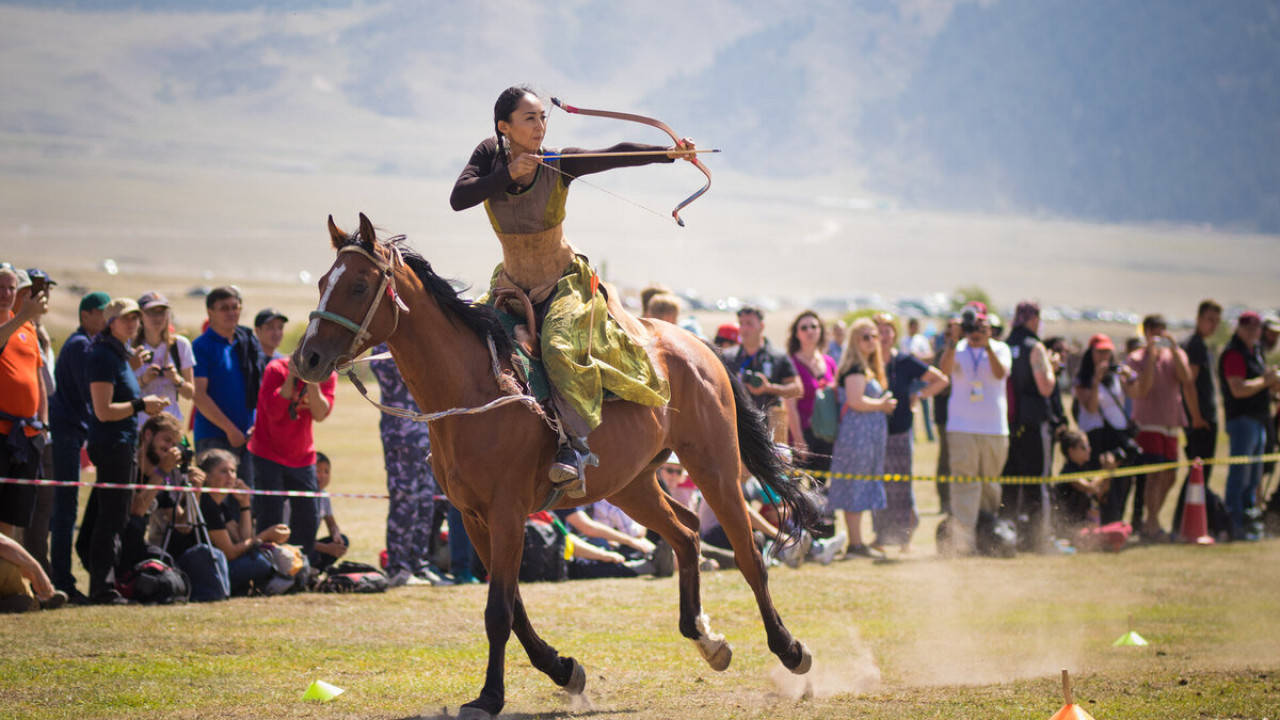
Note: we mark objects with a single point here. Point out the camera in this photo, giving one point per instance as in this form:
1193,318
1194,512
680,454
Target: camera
38,285
754,379
188,454
969,320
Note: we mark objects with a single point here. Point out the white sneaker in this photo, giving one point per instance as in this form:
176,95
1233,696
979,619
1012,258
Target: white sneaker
824,551
793,554
399,578
429,577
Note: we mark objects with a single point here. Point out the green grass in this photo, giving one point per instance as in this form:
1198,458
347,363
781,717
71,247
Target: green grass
917,638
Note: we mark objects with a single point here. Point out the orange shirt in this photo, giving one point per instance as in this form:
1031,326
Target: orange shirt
20,364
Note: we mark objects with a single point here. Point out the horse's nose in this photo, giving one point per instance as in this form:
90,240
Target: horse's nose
313,360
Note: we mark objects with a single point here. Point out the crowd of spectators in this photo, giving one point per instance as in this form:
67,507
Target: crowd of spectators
114,395
1004,405
1000,407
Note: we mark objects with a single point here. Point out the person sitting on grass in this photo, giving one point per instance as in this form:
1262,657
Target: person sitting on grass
1074,502
247,566
333,546
588,560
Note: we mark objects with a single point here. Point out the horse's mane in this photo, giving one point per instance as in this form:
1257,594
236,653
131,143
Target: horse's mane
479,319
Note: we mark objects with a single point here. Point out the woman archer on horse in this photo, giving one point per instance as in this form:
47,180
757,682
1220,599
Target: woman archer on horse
524,188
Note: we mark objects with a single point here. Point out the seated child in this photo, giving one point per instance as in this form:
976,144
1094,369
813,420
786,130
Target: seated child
1072,501
333,546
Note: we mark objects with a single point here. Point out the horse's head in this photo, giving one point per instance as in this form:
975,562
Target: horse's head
358,306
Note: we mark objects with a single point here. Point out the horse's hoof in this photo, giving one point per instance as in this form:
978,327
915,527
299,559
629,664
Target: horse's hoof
719,656
577,681
470,712
806,661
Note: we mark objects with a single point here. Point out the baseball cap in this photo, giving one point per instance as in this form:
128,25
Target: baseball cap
95,300
1248,317
153,299
35,273
120,307
1101,342
979,307
1272,323
24,279
267,315
728,332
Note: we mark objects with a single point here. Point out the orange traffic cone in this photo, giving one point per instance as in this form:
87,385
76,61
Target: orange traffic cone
1195,523
1070,711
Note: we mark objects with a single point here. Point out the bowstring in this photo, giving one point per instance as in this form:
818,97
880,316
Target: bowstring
606,191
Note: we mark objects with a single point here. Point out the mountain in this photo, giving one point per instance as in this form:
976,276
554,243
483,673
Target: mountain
1147,110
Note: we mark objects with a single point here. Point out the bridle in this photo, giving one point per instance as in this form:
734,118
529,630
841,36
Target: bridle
386,286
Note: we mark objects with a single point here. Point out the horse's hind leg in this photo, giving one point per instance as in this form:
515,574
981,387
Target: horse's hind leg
648,505
563,671
723,492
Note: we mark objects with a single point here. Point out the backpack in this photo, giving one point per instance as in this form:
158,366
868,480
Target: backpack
353,577
544,551
154,582
205,565
290,569
824,423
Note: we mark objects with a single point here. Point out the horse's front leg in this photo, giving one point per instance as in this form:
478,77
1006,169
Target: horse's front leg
500,545
563,671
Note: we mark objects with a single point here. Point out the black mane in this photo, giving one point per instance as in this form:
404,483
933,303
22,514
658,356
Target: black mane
479,319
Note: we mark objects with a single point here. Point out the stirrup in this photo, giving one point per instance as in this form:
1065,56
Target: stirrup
569,469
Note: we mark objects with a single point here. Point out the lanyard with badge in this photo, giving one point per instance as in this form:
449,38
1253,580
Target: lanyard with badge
975,385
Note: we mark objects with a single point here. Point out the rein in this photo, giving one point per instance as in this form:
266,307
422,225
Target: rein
348,369
361,332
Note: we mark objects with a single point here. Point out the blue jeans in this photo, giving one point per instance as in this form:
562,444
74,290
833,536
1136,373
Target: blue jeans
66,503
251,567
1247,436
461,553
304,512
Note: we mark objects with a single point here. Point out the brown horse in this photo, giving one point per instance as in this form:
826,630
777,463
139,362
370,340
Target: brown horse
493,464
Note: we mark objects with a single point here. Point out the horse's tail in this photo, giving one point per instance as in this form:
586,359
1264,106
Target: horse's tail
802,508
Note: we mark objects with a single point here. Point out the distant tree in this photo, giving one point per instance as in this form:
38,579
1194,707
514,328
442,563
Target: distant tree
965,295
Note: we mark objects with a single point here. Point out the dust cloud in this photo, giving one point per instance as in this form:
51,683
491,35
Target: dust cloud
839,668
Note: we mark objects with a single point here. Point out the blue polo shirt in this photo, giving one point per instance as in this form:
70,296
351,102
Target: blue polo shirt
108,362
70,405
216,360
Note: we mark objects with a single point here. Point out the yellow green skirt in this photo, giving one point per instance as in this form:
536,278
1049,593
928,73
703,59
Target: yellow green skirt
615,362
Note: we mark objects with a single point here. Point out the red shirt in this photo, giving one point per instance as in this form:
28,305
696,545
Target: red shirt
20,364
276,436
1233,365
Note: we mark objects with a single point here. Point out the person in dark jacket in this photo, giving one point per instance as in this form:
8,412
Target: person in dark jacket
69,413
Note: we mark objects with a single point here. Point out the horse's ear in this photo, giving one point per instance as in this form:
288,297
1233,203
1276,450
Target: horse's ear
336,235
367,233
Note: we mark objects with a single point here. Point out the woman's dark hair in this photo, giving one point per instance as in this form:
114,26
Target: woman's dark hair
1070,439
506,105
1087,367
1084,376
793,341
213,457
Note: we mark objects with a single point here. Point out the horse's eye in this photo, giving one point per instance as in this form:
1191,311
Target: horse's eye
360,288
